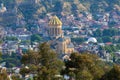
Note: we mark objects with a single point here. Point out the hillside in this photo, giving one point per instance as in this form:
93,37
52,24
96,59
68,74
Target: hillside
68,6
34,9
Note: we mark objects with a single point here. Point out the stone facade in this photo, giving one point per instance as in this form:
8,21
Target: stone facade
61,43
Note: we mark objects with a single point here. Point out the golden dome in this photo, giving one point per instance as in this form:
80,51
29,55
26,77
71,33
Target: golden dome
55,21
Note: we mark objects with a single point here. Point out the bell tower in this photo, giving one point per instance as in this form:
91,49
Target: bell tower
55,27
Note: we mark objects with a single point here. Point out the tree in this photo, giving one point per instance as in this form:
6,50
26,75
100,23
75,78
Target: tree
4,75
84,75
106,39
15,77
78,40
74,9
44,63
3,72
35,37
84,65
99,40
11,60
110,32
11,38
113,74
1,41
58,7
97,33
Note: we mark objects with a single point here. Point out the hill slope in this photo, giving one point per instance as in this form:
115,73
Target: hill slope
34,9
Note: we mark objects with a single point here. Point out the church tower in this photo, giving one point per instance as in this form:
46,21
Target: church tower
55,27
62,44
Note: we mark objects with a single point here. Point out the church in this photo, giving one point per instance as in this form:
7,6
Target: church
58,42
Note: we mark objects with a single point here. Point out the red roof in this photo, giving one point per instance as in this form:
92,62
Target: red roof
108,43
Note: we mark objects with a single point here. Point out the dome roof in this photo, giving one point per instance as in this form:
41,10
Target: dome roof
92,39
55,21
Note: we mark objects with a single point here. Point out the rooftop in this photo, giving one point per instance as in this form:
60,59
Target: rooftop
55,21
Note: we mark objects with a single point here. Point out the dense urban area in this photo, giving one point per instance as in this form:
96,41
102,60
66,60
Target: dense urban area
59,39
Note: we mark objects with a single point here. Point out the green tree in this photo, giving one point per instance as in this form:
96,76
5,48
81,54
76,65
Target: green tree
44,63
78,40
106,39
35,37
11,38
84,75
11,60
85,64
99,40
110,32
74,9
97,33
58,7
3,72
113,74
15,77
